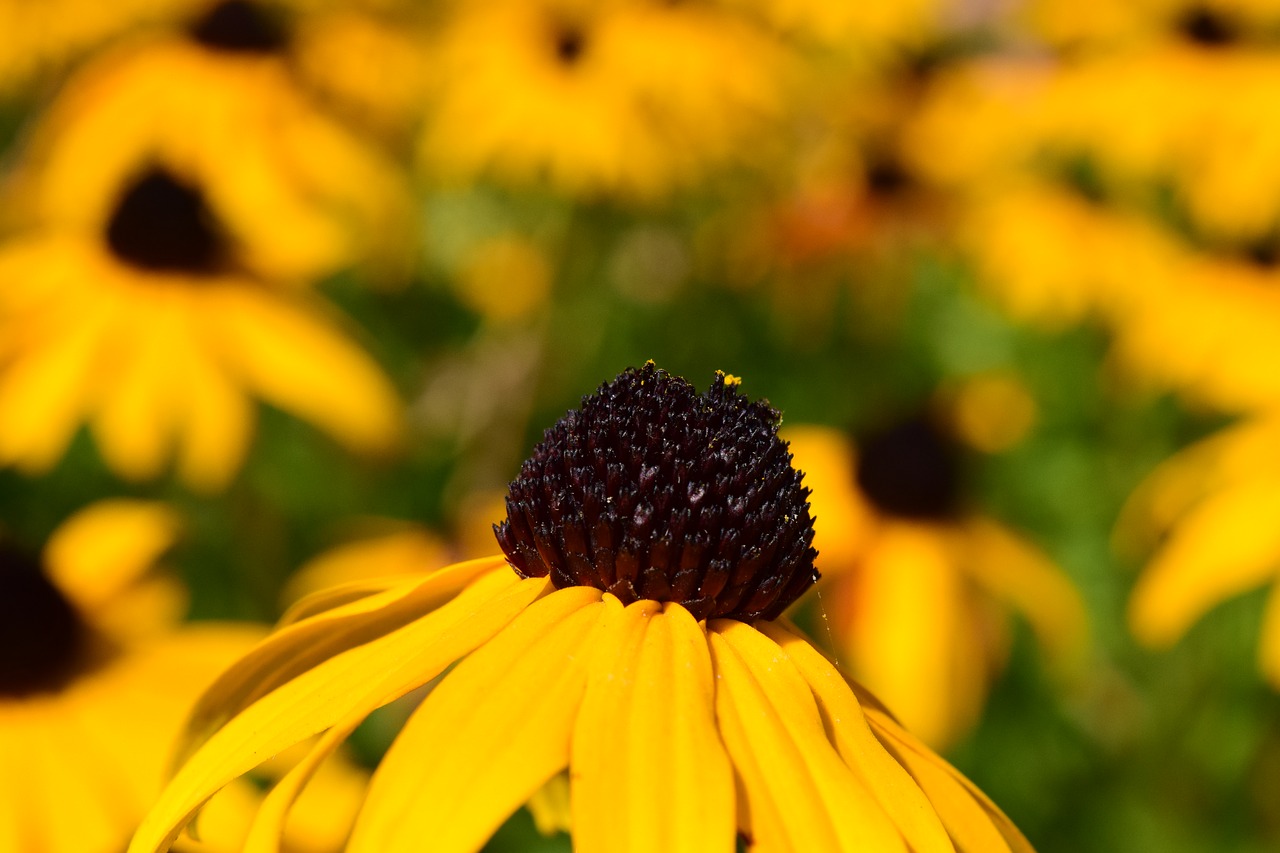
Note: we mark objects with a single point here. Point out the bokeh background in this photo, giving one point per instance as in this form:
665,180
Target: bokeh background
315,275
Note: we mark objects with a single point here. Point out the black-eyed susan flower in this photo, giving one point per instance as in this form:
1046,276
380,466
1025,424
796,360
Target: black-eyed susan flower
1208,514
629,635
1121,184
155,332
96,677
566,93
302,194
917,587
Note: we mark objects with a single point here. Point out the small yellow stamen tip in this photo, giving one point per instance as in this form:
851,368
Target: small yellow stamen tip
729,379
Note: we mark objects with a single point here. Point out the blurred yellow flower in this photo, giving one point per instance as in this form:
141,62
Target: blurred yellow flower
371,68
1209,513
917,591
1125,188
567,92
632,645
300,194
1108,23
96,677
154,333
42,38
876,26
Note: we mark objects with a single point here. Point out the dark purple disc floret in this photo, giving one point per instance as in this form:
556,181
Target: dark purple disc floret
650,490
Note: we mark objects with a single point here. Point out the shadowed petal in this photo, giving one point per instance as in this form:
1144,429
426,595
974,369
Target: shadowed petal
975,824
302,645
895,790
386,668
798,793
489,735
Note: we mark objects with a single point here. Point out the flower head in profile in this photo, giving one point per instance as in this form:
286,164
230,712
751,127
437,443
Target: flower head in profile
656,535
918,587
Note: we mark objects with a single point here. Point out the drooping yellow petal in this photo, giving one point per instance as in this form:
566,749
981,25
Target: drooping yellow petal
648,769
489,736
267,829
65,771
14,790
333,598
135,420
217,419
1011,570
44,394
386,668
550,807
1227,545
909,639
975,824
296,359
302,645
107,546
891,785
798,793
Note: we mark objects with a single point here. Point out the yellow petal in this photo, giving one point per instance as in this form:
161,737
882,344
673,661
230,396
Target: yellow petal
294,358
975,824
550,807
302,645
911,640
1012,571
1225,546
351,684
136,417
268,825
842,520
43,396
217,421
333,598
648,769
1269,644
488,737
14,791
847,727
106,547
797,792
64,772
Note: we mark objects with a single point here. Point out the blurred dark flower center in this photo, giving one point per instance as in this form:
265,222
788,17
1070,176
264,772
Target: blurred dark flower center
1208,28
887,177
163,224
570,42
239,26
42,638
910,470
651,490
1264,253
